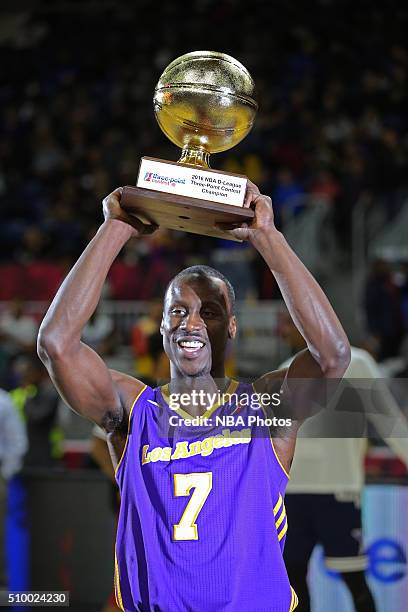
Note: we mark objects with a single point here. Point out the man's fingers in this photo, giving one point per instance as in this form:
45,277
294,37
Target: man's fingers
229,226
252,186
149,229
252,191
117,193
249,195
142,228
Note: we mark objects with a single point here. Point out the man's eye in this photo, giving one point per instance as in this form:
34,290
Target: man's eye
178,311
207,313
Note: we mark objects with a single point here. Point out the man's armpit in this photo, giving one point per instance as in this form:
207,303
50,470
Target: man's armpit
117,429
115,421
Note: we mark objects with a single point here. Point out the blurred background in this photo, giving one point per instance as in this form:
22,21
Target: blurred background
330,146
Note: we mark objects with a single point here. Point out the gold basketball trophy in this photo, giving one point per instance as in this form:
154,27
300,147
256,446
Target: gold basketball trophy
205,103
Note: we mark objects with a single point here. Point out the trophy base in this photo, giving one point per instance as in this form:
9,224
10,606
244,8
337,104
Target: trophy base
183,213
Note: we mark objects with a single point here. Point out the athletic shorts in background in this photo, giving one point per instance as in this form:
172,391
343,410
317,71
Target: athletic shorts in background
334,521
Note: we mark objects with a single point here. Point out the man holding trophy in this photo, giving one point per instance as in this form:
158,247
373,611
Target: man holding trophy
202,522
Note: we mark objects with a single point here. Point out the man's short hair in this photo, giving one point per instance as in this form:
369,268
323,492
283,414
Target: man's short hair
208,272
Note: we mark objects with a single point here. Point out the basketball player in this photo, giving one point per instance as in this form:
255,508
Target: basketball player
194,530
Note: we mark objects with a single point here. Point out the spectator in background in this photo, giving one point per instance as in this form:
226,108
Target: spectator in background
18,331
388,170
147,343
37,401
34,245
287,196
62,225
384,313
327,475
325,186
99,333
13,445
351,119
235,260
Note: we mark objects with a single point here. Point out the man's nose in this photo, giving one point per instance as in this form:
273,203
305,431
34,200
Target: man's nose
193,322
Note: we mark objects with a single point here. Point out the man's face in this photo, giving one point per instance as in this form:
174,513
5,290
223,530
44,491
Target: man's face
197,322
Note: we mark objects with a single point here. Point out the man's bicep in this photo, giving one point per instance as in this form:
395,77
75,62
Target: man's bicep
283,432
270,381
85,384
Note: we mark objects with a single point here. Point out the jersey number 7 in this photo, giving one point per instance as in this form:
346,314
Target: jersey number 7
187,529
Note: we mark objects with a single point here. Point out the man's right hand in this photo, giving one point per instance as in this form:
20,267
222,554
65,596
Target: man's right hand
113,210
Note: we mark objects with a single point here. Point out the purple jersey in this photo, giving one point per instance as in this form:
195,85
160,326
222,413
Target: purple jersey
202,521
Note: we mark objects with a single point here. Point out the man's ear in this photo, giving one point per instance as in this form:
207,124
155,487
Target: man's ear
232,327
162,327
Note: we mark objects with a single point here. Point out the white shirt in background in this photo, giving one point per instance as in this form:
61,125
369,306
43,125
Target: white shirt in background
22,330
336,465
13,438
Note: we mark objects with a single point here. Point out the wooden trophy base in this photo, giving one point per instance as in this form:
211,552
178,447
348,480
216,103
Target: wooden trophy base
183,213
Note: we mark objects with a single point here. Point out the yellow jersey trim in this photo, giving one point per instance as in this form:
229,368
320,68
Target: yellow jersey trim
294,601
282,531
278,460
277,505
271,439
281,518
118,594
232,387
128,431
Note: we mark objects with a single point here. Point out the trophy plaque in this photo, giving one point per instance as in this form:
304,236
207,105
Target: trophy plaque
205,103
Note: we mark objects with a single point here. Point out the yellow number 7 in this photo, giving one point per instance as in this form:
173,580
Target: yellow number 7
186,529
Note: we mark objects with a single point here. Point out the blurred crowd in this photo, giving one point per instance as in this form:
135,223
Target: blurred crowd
76,116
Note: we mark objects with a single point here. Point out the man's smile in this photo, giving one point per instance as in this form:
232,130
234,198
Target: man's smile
190,346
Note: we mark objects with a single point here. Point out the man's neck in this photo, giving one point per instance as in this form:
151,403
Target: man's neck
199,389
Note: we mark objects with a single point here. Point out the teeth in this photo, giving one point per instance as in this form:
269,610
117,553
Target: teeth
191,344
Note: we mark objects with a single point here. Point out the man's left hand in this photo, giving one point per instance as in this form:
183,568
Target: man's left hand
263,222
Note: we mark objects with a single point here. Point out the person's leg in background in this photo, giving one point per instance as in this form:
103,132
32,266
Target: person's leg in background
360,592
343,546
299,545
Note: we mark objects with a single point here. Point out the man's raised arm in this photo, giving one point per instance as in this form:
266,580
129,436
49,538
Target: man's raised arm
80,375
328,348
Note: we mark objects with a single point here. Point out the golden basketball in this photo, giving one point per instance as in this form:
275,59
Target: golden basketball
205,100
